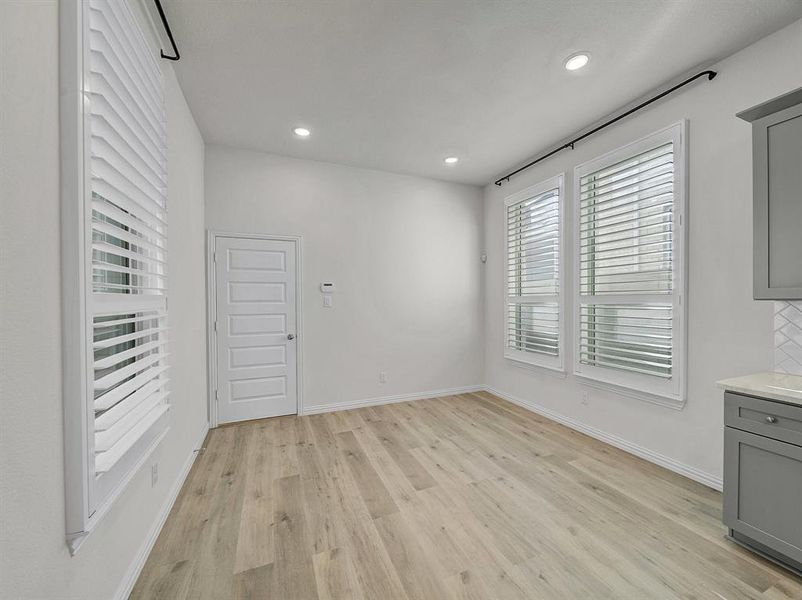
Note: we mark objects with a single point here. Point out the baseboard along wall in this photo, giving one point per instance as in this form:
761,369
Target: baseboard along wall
671,464
323,408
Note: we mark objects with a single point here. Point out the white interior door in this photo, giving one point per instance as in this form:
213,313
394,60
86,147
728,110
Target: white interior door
255,328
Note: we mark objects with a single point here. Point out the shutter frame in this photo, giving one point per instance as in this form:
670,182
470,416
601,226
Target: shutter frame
88,497
533,317
126,227
640,363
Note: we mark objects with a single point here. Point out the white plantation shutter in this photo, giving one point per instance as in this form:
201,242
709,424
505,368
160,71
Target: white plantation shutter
128,219
533,315
629,275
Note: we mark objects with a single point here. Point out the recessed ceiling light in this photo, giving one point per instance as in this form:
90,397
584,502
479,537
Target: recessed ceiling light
577,61
302,132
451,160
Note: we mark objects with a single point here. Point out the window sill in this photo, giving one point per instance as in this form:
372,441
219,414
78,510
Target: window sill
628,392
519,363
76,540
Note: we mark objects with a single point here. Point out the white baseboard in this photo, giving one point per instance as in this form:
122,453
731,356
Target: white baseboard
323,408
127,584
688,471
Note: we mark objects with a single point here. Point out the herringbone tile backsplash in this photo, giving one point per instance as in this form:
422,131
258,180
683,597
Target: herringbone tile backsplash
788,337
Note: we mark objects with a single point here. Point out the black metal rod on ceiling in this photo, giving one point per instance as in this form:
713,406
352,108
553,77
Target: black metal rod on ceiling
169,31
710,75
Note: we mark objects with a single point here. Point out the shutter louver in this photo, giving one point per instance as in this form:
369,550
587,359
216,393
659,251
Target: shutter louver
626,264
128,218
532,322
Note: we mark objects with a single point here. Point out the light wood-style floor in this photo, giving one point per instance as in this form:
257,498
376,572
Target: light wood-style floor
459,497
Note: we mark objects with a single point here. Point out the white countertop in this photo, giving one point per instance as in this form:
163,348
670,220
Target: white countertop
775,386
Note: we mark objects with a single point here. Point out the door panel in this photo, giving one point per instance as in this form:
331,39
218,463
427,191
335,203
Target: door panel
762,487
256,362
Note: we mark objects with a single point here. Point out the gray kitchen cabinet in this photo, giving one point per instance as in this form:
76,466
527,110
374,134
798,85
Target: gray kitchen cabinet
777,196
763,476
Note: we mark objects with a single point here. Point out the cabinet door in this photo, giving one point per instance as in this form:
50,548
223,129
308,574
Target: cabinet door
777,149
763,490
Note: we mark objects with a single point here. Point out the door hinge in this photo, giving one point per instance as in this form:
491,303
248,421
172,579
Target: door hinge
215,325
216,396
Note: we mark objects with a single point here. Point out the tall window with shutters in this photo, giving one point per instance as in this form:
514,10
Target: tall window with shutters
121,265
533,310
629,237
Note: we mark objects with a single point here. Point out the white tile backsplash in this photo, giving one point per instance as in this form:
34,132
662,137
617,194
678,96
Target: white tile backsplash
788,337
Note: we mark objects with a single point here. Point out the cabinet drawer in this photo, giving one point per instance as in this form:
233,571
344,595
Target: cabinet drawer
762,488
764,417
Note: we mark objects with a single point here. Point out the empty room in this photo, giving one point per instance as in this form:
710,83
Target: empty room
401,299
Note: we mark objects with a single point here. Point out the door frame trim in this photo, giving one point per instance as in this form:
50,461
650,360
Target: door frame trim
212,236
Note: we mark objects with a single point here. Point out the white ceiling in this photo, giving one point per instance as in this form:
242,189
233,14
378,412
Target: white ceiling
398,85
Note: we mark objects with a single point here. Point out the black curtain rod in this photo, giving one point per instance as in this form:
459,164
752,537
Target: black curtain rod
710,75
169,31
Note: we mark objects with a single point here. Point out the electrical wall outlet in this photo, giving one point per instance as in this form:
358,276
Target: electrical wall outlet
382,376
585,397
154,474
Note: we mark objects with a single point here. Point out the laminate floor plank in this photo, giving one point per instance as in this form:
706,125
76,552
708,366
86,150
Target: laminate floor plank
335,576
293,569
215,550
255,540
374,494
464,497
317,489
398,450
413,561
375,574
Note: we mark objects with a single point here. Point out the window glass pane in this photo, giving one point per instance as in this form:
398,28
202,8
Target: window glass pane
533,272
533,245
127,257
635,337
626,226
534,327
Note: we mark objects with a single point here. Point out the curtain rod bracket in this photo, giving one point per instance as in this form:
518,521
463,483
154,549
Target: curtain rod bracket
710,75
169,32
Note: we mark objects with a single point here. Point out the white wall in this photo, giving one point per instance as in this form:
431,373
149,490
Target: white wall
403,252
34,560
729,334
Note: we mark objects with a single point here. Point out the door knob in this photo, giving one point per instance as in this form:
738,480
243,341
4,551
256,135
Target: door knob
290,336
771,419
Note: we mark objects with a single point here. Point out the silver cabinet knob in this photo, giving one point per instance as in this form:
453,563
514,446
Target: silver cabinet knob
290,336
771,419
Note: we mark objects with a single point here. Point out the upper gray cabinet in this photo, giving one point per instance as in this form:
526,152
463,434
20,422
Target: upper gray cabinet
777,157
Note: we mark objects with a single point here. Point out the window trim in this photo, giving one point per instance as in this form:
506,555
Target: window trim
74,224
533,359
77,364
670,392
